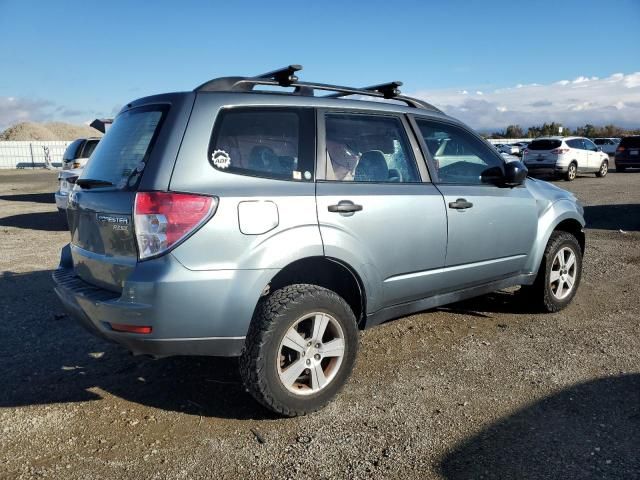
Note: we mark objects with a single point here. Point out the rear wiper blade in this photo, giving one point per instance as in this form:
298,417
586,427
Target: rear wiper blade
91,182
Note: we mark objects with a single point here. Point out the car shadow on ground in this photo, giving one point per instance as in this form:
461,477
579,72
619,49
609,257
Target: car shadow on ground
613,217
30,197
501,301
47,358
48,221
588,431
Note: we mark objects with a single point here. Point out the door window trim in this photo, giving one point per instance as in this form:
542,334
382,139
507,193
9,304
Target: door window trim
415,152
427,154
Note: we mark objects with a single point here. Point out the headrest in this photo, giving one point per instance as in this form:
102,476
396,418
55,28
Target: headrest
372,167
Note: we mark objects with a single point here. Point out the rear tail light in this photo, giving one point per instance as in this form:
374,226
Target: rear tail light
620,149
559,151
163,219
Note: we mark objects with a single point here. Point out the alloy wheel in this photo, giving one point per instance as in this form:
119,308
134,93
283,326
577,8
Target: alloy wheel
563,273
310,353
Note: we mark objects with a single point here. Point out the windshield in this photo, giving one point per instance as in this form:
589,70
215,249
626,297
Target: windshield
121,155
544,144
70,152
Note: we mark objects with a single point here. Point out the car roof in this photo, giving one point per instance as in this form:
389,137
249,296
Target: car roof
276,99
557,137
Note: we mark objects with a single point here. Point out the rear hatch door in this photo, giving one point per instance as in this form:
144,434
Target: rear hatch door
103,242
539,151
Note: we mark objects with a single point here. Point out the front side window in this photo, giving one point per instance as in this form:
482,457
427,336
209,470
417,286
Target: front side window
589,145
368,148
263,143
459,156
89,147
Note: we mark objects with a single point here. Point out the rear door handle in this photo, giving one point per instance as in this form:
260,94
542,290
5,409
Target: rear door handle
460,204
345,206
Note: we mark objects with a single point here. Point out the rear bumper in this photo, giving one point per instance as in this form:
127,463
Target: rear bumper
191,313
628,162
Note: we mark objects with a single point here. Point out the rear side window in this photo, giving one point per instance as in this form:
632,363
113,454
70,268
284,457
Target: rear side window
368,148
72,149
268,143
630,142
121,155
576,143
544,144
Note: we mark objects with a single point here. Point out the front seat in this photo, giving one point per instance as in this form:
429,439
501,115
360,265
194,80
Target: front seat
372,167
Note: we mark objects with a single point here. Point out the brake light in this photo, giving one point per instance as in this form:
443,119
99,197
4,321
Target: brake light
163,219
620,149
559,151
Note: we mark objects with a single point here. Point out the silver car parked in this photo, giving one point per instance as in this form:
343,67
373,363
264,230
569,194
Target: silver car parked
273,226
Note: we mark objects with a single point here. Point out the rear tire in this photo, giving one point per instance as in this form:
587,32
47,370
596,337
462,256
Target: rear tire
572,171
604,169
559,274
308,329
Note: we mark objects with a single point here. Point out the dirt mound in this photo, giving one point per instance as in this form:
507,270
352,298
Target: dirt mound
48,131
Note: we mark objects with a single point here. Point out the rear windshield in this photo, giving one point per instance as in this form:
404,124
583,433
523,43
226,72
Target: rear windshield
72,149
121,155
630,142
544,144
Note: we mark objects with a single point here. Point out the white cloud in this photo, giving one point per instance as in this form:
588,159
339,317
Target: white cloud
614,99
16,109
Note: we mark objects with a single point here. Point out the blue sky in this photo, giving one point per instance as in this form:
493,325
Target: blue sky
76,60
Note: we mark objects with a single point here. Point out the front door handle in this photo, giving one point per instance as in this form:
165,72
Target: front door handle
345,206
460,204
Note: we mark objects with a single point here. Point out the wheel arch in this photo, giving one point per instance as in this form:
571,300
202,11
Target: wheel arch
329,273
562,215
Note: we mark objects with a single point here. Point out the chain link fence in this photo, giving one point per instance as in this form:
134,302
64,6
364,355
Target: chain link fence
32,154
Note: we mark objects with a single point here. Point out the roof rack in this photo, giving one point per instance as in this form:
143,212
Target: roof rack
285,77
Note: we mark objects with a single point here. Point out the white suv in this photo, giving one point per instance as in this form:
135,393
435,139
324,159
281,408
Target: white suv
566,156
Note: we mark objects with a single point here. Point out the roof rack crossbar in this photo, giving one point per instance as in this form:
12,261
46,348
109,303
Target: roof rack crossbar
285,77
389,90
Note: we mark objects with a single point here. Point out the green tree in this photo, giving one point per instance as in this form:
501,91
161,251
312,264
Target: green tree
514,131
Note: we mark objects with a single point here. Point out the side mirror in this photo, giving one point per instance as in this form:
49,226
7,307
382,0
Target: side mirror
515,174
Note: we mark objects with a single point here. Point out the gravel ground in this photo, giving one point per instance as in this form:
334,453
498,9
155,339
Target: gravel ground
480,389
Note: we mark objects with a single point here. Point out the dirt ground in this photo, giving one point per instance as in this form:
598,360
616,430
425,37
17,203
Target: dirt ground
480,389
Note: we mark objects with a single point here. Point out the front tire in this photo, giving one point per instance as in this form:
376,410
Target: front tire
604,169
559,274
300,349
572,172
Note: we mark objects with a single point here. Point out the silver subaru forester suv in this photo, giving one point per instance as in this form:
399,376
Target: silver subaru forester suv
273,224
